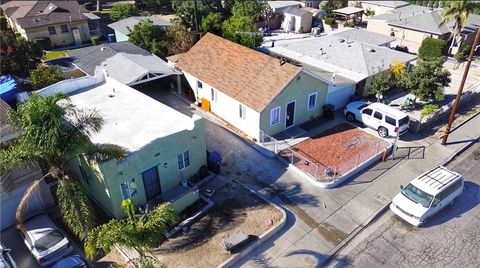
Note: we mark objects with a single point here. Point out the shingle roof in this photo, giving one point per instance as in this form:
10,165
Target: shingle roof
354,60
250,77
123,61
28,14
124,25
403,12
88,58
295,11
430,22
386,3
363,36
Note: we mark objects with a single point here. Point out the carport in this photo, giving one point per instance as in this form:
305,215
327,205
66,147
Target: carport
349,13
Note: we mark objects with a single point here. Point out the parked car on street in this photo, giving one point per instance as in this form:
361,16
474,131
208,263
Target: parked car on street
386,120
427,194
74,261
6,260
45,240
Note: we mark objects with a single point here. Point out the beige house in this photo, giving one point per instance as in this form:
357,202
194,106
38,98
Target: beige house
411,24
379,7
64,22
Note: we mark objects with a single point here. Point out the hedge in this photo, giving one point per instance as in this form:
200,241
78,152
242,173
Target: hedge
432,48
329,21
95,40
44,42
3,23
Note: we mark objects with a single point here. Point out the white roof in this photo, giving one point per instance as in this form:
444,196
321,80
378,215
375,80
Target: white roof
348,10
386,3
435,180
131,118
388,110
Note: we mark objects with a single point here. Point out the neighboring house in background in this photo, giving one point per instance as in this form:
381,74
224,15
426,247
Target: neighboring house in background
380,7
363,36
123,27
64,22
411,24
123,61
164,146
250,90
279,6
296,20
348,59
311,3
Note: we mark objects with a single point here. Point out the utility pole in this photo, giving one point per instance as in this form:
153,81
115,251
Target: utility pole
196,20
460,89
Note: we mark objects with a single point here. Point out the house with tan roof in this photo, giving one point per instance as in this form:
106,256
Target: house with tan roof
250,90
63,22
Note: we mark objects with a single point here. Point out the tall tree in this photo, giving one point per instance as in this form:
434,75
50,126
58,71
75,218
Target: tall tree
458,11
123,11
185,12
18,56
426,81
50,133
180,39
45,75
212,23
241,30
149,37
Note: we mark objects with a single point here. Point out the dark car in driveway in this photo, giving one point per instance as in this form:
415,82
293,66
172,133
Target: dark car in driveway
44,239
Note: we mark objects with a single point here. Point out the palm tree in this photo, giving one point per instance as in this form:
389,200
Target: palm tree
51,132
458,12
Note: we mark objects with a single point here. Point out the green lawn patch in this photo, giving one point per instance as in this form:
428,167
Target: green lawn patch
53,55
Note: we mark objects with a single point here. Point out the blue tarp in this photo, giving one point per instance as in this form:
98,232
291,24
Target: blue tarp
8,88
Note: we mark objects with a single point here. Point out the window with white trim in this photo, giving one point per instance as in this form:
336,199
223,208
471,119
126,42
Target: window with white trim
183,160
214,94
199,84
129,189
309,4
312,101
51,30
275,116
242,111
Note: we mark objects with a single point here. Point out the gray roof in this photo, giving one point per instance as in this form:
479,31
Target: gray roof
124,25
363,36
28,14
123,61
394,4
351,59
278,6
295,11
430,22
402,12
348,10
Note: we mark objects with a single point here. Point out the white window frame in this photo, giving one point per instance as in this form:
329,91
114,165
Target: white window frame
184,165
309,4
242,111
131,193
278,109
214,94
199,84
308,101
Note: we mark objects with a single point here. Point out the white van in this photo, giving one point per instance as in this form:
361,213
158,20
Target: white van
427,194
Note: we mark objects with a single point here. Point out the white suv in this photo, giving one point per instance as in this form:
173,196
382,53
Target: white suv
427,194
383,118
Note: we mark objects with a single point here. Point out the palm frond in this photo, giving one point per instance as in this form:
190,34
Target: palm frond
18,155
77,211
32,192
105,152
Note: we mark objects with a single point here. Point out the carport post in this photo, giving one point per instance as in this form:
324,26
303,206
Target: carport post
179,84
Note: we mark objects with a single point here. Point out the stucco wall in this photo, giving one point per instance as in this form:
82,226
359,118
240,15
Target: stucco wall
185,201
120,37
377,8
227,108
59,39
156,154
297,90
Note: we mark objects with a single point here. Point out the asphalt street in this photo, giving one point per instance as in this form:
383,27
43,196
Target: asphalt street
450,239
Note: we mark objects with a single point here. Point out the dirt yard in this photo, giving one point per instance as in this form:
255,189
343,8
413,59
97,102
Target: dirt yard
338,149
235,209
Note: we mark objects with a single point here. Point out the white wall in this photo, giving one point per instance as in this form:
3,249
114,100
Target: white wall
227,108
70,85
339,95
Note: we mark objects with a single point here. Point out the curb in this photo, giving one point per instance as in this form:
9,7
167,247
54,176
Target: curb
382,210
263,237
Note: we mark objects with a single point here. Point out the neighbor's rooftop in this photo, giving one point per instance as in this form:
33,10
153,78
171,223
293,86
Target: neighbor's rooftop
124,26
352,59
363,36
131,118
386,3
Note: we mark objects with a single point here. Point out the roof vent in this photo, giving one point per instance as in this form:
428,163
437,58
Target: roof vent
102,48
372,50
341,40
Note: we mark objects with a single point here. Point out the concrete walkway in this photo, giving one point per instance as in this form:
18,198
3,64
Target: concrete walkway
319,220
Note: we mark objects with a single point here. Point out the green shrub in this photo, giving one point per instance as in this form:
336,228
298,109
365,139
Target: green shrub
3,23
95,40
329,21
428,109
43,42
432,48
348,24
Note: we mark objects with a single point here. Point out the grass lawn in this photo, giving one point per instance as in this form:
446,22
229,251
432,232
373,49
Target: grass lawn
53,55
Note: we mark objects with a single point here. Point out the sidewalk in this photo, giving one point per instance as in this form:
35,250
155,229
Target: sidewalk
319,220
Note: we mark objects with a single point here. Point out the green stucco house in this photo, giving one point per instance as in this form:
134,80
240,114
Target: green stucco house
254,92
164,145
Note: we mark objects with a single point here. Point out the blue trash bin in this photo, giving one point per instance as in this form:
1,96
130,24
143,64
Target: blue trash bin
214,162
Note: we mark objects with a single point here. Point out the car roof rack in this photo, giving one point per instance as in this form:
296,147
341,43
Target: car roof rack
438,177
